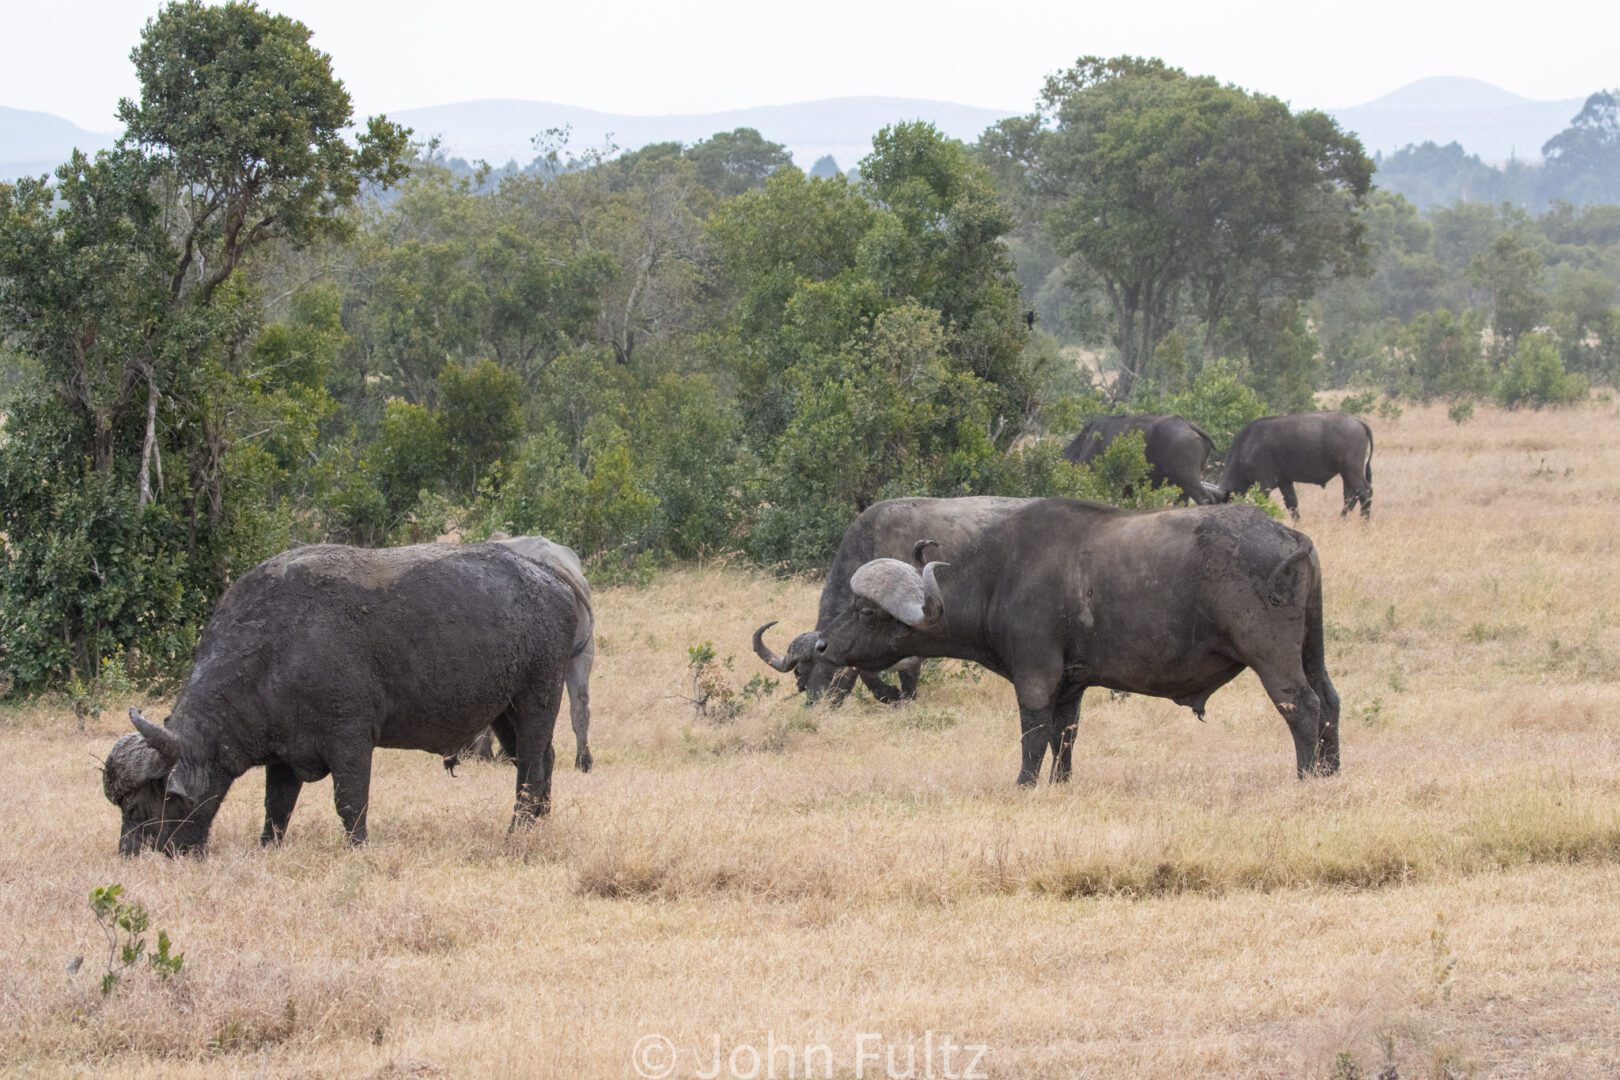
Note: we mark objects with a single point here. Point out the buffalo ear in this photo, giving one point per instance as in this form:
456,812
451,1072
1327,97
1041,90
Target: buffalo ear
180,786
161,739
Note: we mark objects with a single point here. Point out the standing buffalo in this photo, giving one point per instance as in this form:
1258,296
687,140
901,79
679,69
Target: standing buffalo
1177,450
1305,448
318,656
1065,595
886,529
564,562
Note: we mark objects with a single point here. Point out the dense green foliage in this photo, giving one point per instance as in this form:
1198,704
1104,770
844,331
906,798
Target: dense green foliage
149,457
1469,300
1189,203
238,330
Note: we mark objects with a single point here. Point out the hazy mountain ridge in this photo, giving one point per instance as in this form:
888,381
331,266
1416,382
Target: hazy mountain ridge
1486,119
500,130
34,143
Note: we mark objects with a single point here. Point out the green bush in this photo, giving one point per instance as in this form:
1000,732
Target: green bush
84,574
1444,356
1534,376
1220,400
411,452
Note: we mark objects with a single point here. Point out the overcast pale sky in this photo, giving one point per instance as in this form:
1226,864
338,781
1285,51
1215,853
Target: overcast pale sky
70,57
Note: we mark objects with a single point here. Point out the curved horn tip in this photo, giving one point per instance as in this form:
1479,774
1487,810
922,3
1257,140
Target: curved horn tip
763,651
918,548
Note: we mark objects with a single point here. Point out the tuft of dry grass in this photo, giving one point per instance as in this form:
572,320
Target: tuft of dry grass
794,877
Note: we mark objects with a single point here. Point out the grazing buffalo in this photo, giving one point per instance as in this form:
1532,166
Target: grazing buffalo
318,656
1064,595
564,562
1177,450
886,529
1305,448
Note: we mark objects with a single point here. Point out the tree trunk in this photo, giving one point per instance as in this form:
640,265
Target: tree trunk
148,441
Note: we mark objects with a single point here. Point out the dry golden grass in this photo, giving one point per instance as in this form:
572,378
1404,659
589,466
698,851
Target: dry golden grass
1184,907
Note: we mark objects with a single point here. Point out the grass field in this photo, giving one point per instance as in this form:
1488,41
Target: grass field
795,885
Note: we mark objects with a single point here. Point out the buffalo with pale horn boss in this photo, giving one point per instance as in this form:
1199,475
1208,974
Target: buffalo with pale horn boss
891,529
1063,595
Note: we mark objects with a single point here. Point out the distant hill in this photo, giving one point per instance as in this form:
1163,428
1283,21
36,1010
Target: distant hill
34,143
1485,119
500,130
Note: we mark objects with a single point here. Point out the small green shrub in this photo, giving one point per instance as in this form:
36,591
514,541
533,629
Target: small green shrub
125,924
1359,404
1534,376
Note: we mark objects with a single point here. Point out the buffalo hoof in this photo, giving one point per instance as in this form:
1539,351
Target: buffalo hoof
583,761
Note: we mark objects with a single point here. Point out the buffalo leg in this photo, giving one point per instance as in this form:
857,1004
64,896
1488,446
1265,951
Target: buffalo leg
908,674
1328,762
880,688
839,688
281,788
1065,725
1315,659
535,722
578,680
1356,490
1036,725
1290,498
351,790
505,736
1301,709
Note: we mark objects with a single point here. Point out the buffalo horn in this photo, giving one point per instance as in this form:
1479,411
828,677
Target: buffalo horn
933,602
917,550
158,738
763,651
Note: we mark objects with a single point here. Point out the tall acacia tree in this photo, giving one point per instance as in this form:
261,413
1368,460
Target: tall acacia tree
122,280
1178,190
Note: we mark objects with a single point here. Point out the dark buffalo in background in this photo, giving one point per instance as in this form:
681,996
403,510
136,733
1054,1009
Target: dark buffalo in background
1065,595
565,563
1305,448
887,529
318,656
1177,450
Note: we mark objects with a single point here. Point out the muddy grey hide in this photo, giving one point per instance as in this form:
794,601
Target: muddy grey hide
1305,448
1063,595
1177,450
565,562
320,655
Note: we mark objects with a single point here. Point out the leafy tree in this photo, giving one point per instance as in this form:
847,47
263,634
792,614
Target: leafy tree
825,168
1583,160
1174,188
481,409
1510,273
121,281
1534,376
733,162
1429,175
1443,354
410,455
